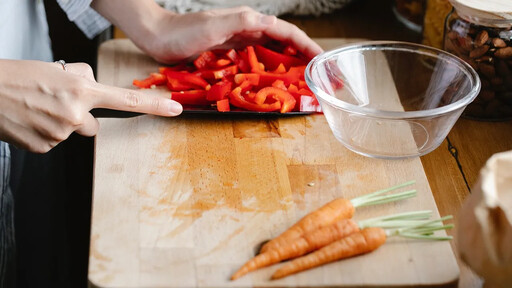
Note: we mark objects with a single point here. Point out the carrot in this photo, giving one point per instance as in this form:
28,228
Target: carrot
323,236
300,246
333,211
361,242
354,244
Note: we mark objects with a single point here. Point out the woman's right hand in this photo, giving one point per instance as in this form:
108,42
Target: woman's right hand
41,104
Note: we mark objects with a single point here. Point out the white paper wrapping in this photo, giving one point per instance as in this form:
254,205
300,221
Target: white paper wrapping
484,232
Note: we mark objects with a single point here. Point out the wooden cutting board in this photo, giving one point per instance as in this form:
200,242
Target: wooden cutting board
184,201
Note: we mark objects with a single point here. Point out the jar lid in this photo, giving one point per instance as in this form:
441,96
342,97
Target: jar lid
493,12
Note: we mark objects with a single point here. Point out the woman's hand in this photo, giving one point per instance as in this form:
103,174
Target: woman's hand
181,36
41,104
168,37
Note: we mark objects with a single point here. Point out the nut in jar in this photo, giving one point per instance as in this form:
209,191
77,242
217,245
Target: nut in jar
481,34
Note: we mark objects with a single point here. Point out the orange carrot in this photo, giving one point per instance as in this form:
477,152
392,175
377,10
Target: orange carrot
364,241
326,215
300,246
334,211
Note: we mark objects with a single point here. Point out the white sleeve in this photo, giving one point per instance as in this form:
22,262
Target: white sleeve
89,21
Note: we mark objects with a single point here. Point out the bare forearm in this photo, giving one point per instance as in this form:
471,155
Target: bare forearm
138,19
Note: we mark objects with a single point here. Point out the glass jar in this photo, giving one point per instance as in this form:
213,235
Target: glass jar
433,23
410,13
485,42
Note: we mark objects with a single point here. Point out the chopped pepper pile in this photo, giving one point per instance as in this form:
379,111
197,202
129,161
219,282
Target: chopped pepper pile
255,78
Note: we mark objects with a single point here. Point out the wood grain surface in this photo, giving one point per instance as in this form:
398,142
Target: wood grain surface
184,201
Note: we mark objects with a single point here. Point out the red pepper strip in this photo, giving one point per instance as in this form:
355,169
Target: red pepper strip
245,67
289,50
253,60
250,96
280,69
246,86
217,74
293,89
236,99
286,99
223,105
190,97
221,73
304,91
153,79
221,63
182,66
267,78
175,85
219,91
240,59
253,78
280,84
186,78
299,71
272,59
204,59
302,84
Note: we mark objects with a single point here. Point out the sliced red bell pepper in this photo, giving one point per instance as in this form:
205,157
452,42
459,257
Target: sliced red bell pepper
219,91
246,86
290,50
187,78
267,78
280,84
181,66
236,99
271,59
217,74
221,73
280,69
153,79
191,97
293,89
304,91
302,84
253,60
221,63
223,105
176,85
298,71
204,59
250,96
240,59
286,99
253,78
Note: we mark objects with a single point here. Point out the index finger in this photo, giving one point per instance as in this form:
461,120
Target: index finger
287,32
121,99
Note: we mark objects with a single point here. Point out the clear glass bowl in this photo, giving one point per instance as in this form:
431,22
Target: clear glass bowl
391,99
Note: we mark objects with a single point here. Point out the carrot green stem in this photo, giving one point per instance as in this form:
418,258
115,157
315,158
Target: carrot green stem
386,190
423,230
383,199
377,197
396,220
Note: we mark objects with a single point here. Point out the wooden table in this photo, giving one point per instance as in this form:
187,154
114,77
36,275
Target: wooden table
453,168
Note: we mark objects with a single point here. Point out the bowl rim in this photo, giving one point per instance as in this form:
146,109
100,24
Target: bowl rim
398,46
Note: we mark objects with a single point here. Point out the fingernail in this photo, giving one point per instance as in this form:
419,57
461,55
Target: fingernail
175,108
267,19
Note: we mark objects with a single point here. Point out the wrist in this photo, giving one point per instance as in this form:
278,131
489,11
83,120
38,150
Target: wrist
140,20
152,39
